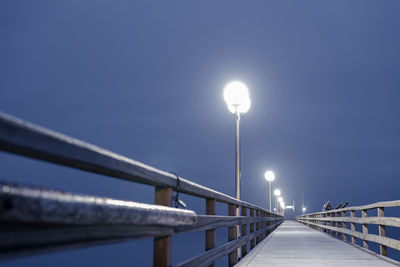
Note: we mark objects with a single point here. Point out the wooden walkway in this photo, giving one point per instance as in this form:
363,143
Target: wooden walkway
294,244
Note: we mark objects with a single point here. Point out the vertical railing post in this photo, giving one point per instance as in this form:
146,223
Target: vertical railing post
344,225
364,229
353,227
257,225
244,232
262,226
332,223
382,232
338,224
162,245
252,241
210,234
232,233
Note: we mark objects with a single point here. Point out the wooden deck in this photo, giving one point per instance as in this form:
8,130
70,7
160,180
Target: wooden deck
293,244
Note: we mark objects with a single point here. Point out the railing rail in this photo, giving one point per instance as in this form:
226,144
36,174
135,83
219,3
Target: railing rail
335,222
23,138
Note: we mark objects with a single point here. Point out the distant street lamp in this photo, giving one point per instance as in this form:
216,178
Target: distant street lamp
277,193
304,209
270,177
237,98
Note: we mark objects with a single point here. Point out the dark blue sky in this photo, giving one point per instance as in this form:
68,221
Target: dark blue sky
145,79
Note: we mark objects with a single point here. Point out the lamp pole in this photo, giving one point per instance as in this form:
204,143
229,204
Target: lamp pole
237,156
270,197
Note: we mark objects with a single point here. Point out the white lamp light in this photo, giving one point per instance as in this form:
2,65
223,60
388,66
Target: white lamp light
277,192
269,176
236,96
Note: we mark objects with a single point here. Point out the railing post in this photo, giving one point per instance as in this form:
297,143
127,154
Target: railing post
244,232
252,242
162,245
257,225
210,234
262,226
337,223
365,229
344,225
382,232
331,223
232,233
353,227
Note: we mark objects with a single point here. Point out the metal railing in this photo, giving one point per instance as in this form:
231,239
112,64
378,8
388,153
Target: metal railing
335,222
35,220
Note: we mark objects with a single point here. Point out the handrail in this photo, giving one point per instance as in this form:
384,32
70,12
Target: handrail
40,229
382,204
335,222
24,138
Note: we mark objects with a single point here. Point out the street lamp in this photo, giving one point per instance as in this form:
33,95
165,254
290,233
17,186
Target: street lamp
237,98
277,193
304,209
270,177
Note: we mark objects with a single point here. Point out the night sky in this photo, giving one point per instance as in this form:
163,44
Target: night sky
145,79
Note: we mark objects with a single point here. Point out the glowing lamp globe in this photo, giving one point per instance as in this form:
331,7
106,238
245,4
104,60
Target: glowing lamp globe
236,96
280,199
277,192
269,176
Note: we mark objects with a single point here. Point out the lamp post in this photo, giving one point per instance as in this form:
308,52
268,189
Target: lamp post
277,193
270,177
304,209
237,98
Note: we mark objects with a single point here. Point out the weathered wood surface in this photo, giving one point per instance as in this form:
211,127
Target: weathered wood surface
232,235
382,232
24,138
210,234
162,244
211,256
294,244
